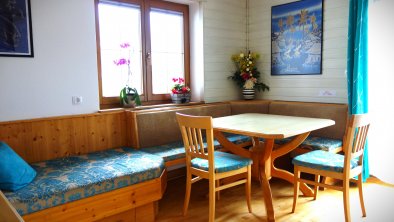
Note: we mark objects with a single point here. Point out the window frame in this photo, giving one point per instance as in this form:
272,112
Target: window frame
147,96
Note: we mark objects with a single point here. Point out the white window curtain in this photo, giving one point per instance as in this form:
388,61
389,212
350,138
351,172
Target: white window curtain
381,90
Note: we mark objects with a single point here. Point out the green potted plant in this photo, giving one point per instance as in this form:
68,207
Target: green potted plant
129,96
246,75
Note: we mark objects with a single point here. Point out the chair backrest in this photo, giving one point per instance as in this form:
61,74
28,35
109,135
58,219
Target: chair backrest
355,138
194,130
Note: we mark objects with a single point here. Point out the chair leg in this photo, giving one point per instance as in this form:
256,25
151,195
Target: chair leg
187,193
296,187
360,192
211,200
248,188
316,189
346,205
218,192
324,179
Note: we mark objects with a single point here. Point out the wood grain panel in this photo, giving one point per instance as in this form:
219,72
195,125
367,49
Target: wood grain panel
48,138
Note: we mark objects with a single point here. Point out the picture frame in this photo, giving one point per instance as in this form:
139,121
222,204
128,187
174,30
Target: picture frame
296,38
16,28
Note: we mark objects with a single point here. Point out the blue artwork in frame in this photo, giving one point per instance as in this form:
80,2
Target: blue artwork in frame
296,38
15,28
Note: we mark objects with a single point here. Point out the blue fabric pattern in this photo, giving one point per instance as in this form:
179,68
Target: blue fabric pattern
15,173
224,162
357,65
322,160
321,143
68,179
315,143
176,150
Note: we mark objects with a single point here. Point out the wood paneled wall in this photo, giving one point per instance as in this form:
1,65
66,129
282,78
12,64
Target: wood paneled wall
47,138
224,35
303,87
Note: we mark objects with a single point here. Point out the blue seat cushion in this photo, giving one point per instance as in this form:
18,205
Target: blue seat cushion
68,179
315,143
15,173
323,160
176,150
224,162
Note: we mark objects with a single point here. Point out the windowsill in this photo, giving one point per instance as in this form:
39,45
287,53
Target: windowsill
157,106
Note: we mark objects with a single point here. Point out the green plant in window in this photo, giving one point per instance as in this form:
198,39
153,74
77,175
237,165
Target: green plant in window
129,96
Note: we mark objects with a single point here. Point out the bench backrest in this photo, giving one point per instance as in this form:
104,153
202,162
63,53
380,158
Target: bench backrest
152,128
336,112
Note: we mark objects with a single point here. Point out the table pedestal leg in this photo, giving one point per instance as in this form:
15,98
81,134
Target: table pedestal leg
283,174
265,173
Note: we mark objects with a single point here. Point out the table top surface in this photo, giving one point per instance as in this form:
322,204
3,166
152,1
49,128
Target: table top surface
268,125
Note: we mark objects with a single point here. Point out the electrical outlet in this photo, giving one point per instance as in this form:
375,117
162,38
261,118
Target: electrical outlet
327,92
77,100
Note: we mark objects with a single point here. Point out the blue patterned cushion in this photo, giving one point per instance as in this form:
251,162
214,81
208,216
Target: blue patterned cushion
63,180
176,150
224,162
321,143
315,143
323,160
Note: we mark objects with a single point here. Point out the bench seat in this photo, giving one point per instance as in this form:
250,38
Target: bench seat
60,181
317,143
176,150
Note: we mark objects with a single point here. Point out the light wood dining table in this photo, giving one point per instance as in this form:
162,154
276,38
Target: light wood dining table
269,127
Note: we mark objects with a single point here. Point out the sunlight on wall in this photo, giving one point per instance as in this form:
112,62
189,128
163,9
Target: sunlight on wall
381,94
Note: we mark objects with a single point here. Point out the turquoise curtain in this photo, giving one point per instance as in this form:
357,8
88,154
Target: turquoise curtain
357,64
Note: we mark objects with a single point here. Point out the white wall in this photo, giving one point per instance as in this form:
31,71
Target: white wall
224,35
64,64
305,87
381,94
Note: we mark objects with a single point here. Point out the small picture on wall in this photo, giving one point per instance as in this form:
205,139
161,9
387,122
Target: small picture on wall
296,38
15,28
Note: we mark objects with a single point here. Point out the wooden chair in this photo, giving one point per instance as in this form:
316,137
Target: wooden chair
205,163
342,167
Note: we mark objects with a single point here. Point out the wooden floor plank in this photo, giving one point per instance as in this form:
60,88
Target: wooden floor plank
379,199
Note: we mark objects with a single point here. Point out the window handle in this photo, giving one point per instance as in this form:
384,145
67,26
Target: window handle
148,55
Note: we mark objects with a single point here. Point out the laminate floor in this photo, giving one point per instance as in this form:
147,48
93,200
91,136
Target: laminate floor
379,203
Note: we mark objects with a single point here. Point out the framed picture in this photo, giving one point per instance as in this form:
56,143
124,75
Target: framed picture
15,28
296,38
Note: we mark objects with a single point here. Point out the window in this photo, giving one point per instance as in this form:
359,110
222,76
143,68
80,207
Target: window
148,39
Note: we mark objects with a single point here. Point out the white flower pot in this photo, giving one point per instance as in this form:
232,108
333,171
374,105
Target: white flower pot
180,98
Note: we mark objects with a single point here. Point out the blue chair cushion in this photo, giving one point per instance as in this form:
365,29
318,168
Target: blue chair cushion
315,143
224,162
15,173
176,150
323,160
68,179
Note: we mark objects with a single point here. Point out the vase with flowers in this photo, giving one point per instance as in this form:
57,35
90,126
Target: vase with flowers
246,75
129,96
180,93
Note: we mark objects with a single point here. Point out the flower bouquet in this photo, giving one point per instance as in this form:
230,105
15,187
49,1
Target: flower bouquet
247,76
180,93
